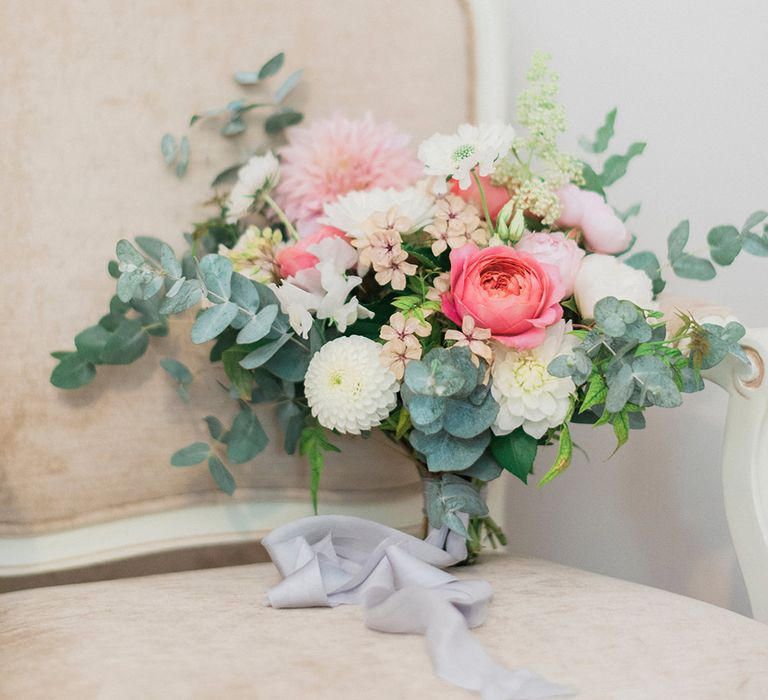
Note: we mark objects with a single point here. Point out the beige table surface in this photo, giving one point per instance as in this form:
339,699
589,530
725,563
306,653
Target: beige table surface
205,634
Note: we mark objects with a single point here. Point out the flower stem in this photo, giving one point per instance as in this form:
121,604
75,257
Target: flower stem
484,202
272,204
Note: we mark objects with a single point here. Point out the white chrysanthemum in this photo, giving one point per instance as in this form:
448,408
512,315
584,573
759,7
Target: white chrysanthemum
527,394
350,211
260,174
347,387
456,155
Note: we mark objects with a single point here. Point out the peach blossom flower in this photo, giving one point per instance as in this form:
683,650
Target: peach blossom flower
476,339
456,222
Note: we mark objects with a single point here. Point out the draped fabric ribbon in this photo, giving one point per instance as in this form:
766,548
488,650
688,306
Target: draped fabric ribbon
400,582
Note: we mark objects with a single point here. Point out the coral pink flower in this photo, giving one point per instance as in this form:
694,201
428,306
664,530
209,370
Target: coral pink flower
334,156
495,195
293,258
554,249
604,232
512,294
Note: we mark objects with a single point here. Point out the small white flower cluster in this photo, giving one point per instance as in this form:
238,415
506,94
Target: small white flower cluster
257,177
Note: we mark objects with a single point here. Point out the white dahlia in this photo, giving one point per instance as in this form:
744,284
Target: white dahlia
347,387
527,394
259,175
456,155
350,211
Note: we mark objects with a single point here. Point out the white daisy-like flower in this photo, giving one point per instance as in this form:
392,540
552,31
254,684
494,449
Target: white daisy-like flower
260,174
456,155
350,211
347,387
527,394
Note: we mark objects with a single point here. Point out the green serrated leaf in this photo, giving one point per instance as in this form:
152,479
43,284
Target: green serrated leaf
221,475
597,390
615,166
563,459
190,455
312,445
272,66
621,428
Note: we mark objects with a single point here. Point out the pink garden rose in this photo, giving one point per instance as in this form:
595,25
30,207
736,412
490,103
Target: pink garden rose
296,257
604,232
511,293
554,249
496,197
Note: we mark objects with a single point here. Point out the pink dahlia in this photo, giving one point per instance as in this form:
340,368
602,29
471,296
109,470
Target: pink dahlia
334,156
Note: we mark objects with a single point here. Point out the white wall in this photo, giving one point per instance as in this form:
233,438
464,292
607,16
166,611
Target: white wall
691,79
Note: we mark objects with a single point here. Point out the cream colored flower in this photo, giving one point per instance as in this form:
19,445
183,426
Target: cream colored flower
389,260
456,222
440,285
476,339
396,354
254,254
346,386
390,222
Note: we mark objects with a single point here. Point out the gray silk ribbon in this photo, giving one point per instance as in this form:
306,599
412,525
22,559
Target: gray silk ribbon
399,580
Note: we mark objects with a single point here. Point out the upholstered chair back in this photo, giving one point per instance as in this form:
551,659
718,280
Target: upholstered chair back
87,91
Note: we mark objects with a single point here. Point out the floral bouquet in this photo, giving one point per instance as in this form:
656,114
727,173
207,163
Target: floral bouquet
470,299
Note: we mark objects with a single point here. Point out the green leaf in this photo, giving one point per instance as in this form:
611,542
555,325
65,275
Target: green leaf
290,363
186,296
183,162
756,245
753,220
602,136
90,343
179,371
216,273
241,378
634,210
221,475
113,269
233,127
677,240
226,174
190,455
168,148
515,452
288,85
312,445
592,181
724,244
127,254
691,267
564,456
621,428
246,77
463,419
127,344
649,264
259,356
72,372
151,246
258,327
615,167
246,438
168,261
282,119
213,321
447,453
215,428
597,391
271,67
245,292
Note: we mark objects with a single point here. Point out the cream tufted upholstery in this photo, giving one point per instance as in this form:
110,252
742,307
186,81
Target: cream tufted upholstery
205,635
87,90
